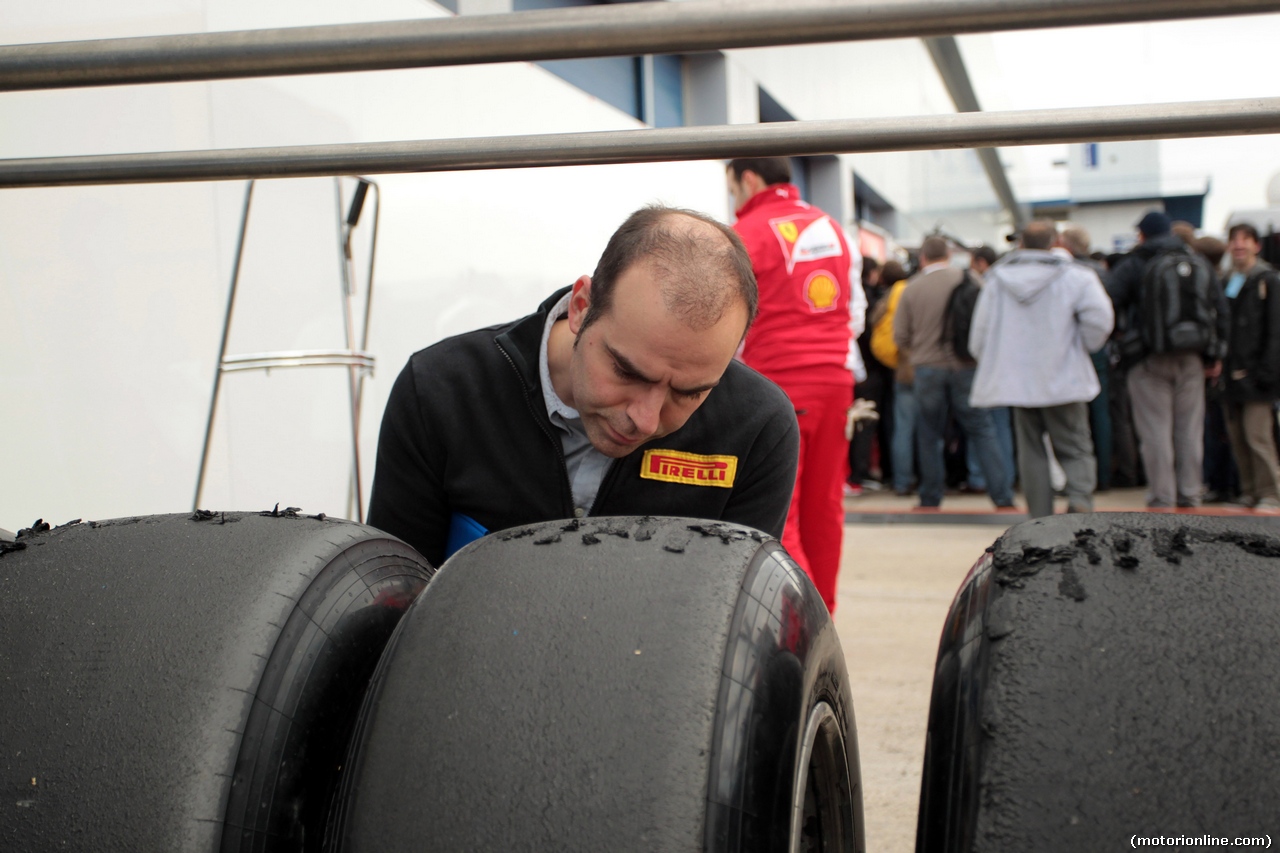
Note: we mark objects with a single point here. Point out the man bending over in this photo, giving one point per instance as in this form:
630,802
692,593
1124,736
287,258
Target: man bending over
618,396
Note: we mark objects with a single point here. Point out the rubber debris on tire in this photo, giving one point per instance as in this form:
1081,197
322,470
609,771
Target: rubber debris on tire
188,682
1106,678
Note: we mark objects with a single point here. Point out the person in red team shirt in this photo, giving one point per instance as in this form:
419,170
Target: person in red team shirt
803,339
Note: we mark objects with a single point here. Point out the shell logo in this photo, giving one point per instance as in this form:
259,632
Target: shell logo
788,231
821,290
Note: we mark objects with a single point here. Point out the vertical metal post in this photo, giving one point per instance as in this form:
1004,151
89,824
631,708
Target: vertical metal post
222,347
344,264
648,97
368,297
373,253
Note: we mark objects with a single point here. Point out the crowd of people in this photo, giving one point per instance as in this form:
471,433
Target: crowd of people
1072,372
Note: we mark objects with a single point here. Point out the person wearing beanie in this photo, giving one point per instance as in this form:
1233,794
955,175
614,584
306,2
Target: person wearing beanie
1154,224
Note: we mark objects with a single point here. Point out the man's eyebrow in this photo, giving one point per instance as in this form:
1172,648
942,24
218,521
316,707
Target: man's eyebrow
629,368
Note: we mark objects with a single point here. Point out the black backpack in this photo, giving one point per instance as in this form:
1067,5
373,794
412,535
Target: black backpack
1178,305
959,317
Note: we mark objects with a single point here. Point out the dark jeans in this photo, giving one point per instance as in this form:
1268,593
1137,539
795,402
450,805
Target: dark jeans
1002,422
1100,419
1126,467
878,387
906,411
942,392
1220,472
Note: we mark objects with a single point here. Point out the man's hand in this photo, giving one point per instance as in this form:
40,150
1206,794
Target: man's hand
1214,370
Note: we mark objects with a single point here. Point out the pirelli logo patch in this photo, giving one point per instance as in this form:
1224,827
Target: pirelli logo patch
692,469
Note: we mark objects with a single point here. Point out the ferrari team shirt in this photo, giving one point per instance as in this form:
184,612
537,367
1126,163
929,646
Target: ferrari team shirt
803,330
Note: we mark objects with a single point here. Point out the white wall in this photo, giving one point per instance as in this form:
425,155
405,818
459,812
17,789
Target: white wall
1120,170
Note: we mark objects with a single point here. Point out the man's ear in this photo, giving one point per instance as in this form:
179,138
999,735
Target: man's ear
579,302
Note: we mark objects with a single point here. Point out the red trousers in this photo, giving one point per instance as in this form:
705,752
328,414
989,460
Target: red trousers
815,522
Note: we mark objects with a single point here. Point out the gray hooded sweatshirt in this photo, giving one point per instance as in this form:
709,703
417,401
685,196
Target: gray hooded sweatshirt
1037,319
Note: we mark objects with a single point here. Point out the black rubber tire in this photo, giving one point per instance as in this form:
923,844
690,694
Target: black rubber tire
1106,675
619,684
180,684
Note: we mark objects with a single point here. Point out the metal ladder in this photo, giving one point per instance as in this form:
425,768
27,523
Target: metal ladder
359,362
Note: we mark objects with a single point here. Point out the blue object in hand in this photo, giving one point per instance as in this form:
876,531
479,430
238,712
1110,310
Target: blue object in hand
463,530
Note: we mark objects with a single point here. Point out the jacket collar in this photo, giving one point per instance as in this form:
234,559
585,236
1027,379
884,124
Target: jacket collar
771,193
1259,267
522,339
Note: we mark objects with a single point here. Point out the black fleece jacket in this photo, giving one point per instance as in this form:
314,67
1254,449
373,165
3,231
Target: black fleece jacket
1123,285
1122,282
1253,354
466,432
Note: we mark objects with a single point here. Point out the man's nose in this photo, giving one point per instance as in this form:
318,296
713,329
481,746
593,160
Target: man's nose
645,410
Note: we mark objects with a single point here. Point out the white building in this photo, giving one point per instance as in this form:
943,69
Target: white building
1111,185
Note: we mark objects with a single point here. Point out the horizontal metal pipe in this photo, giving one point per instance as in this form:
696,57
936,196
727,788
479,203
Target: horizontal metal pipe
299,358
959,130
611,30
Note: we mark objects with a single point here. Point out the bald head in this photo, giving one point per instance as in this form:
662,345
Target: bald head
1039,234
1076,241
934,249
699,265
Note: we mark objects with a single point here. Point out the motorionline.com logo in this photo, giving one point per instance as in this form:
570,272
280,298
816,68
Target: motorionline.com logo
1135,841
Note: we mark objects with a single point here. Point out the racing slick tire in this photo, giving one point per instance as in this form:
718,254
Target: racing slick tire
1105,679
609,684
188,682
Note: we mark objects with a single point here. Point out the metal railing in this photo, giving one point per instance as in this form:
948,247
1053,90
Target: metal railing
625,29
958,130
597,31
613,30
298,358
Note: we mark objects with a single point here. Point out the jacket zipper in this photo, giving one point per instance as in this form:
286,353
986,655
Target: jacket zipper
566,487
609,477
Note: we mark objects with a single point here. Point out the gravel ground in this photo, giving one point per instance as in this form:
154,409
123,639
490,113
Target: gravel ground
896,584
